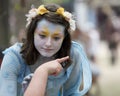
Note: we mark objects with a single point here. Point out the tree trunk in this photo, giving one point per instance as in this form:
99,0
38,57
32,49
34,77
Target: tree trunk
4,23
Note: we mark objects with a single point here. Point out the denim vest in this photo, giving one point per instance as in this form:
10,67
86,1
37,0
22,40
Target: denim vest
67,83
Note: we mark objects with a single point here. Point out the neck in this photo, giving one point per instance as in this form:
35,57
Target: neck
46,59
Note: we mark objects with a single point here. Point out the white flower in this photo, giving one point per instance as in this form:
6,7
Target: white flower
72,25
69,18
67,15
32,13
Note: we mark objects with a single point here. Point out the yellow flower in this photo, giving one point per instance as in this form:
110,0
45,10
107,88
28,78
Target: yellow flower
42,10
60,11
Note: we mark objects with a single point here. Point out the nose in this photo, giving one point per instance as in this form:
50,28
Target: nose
48,42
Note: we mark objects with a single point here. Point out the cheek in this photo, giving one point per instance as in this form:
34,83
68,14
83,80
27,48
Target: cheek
37,41
58,44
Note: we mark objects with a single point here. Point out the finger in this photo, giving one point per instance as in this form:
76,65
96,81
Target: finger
63,59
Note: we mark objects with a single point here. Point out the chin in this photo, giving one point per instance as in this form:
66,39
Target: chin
46,55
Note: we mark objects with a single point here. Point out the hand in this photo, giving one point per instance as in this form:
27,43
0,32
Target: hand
54,67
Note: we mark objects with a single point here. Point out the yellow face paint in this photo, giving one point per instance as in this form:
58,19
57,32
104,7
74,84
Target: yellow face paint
57,34
53,34
45,32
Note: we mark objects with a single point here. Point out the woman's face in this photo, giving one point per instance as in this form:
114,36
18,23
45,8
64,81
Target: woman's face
48,38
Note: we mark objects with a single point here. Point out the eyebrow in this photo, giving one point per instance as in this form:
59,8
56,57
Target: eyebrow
45,32
56,33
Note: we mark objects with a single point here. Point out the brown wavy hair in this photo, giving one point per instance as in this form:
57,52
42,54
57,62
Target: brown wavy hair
28,50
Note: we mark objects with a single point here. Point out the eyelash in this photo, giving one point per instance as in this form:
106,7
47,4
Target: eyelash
56,38
43,36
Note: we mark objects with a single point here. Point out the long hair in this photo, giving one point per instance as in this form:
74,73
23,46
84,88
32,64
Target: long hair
28,50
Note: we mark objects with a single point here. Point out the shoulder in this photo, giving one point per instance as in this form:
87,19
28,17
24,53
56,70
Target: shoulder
76,45
13,62
13,52
76,48
14,48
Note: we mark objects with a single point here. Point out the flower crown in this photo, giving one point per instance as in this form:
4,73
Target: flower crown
42,10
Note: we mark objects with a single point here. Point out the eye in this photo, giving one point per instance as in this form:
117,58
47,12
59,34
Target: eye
42,36
57,38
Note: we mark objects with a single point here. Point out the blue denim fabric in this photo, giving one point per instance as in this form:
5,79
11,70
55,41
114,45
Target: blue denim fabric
14,69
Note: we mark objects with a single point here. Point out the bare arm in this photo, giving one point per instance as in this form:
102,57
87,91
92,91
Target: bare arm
38,83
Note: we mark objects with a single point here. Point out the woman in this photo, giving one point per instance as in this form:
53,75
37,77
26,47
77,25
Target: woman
48,39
